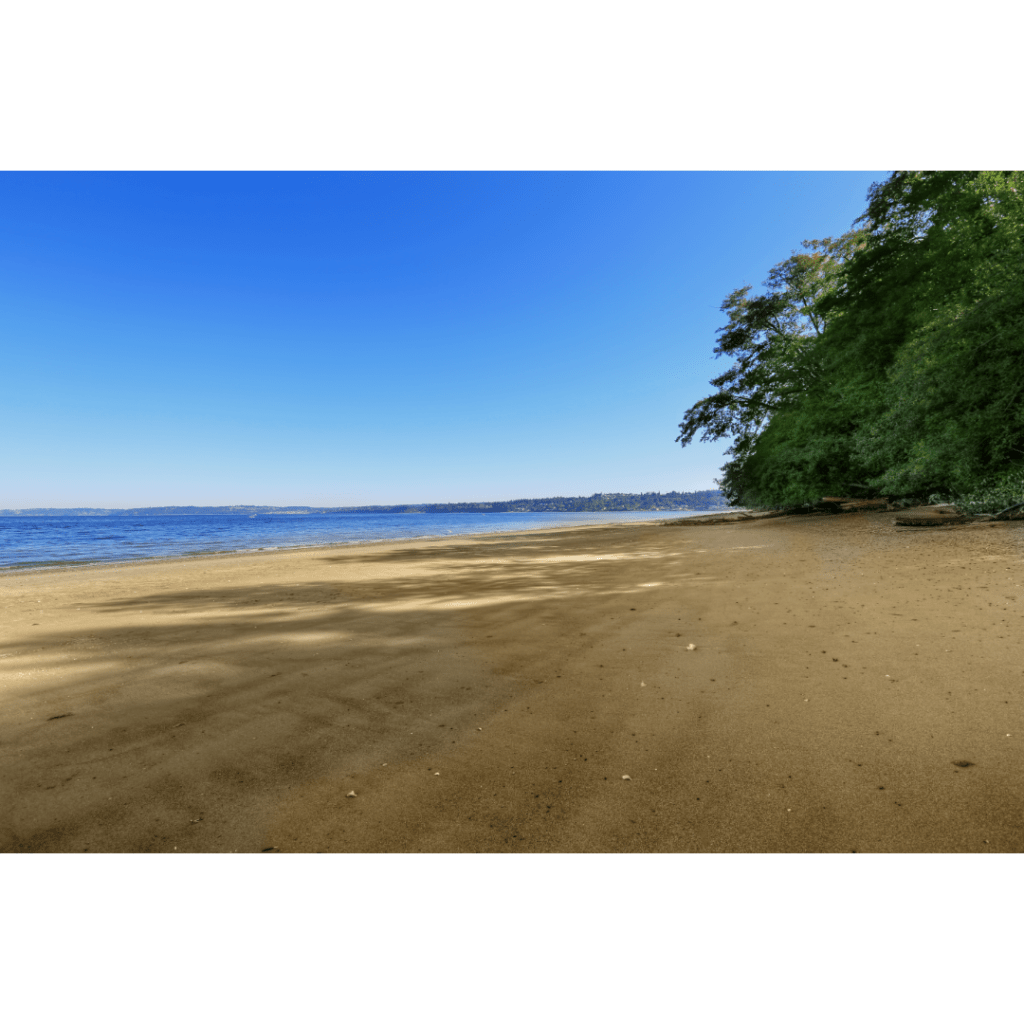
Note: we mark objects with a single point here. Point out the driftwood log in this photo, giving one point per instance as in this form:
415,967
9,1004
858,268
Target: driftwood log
931,518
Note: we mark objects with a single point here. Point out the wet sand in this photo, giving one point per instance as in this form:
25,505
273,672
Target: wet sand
488,694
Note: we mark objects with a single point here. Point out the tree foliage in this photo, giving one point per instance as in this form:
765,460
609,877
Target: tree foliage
767,335
913,381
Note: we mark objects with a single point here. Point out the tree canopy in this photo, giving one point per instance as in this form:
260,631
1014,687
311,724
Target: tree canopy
889,361
767,335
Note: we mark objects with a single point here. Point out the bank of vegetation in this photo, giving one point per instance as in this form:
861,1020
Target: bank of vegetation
888,362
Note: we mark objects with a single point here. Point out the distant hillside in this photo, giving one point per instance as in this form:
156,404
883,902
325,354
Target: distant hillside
652,501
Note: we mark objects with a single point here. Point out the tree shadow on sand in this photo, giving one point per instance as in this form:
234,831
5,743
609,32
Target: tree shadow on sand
188,700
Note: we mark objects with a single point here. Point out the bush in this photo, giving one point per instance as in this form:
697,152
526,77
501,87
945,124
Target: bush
994,496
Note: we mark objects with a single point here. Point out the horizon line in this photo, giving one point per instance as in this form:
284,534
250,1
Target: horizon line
344,508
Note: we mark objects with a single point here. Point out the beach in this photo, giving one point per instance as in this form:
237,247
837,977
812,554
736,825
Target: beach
799,684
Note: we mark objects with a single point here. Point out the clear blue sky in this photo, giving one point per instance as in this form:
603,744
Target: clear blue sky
360,338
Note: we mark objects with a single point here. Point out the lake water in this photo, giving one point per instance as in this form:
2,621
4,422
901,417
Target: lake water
48,541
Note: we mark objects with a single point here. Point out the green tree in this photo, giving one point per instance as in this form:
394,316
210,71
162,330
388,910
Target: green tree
918,374
770,337
952,401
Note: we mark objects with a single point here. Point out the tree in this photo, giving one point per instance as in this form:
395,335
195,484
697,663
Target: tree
915,382
770,337
952,399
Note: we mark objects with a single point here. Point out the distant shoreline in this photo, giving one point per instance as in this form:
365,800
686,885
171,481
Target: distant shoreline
676,501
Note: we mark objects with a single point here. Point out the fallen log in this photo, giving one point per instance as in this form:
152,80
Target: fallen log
935,518
865,505
1013,512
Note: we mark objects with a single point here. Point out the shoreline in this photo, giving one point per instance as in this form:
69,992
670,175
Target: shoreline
60,566
488,693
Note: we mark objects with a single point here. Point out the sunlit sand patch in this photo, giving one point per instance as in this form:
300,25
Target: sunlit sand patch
581,558
476,602
596,558
312,638
538,594
429,569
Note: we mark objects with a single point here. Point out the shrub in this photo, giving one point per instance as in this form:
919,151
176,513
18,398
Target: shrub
995,495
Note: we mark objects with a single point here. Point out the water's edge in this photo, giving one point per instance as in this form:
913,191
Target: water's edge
51,543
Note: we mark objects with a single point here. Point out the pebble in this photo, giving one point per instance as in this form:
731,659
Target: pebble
626,778
691,647
351,792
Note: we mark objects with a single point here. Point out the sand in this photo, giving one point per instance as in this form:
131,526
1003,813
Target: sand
851,685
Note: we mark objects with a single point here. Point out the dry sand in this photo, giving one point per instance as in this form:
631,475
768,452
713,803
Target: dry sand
490,693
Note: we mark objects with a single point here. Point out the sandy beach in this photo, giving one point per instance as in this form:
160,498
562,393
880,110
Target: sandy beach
811,684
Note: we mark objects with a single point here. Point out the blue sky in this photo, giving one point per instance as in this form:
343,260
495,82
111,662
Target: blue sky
346,338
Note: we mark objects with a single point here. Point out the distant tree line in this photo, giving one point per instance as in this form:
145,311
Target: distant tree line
888,362
649,501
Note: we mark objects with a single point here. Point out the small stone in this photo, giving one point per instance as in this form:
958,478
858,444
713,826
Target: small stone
691,647
351,792
626,778
437,773
642,683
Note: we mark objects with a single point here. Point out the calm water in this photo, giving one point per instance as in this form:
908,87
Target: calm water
42,541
